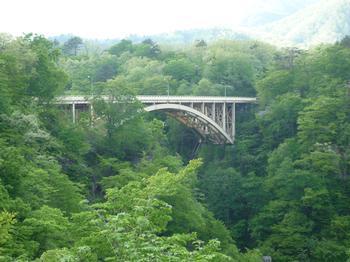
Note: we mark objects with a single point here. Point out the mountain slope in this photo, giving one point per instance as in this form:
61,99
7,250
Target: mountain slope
323,22
268,11
301,23
284,23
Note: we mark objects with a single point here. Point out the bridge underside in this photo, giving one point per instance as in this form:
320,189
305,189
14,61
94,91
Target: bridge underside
205,127
202,128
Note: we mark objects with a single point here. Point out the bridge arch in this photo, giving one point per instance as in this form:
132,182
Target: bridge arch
193,118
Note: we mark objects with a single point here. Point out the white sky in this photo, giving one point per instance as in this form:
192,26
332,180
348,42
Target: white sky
118,18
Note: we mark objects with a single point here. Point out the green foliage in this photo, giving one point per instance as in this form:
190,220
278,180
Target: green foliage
116,188
232,70
121,107
297,144
325,121
48,227
181,69
47,80
123,46
206,88
147,48
7,220
83,253
133,216
280,120
84,74
72,45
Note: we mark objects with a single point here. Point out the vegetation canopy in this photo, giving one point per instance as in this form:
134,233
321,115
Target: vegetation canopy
125,185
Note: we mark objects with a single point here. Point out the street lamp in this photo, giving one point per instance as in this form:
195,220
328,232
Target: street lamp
224,85
91,104
168,90
91,87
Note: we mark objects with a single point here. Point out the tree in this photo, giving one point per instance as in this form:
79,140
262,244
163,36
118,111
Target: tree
279,122
181,69
120,107
47,79
123,46
72,46
147,48
345,41
233,70
206,88
48,228
7,221
200,43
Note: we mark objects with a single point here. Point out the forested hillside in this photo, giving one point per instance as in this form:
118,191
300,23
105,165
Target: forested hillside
268,11
326,21
128,185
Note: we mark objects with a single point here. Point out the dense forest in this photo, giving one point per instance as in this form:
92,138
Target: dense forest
129,186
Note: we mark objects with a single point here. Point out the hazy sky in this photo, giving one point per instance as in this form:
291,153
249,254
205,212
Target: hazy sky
118,18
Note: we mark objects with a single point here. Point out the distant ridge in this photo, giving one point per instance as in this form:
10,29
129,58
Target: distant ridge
313,22
269,11
324,22
180,37
190,36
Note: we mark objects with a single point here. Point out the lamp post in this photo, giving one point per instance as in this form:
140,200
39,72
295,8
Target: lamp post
168,92
224,85
91,86
91,105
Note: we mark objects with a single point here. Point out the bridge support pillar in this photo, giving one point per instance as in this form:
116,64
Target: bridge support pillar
224,116
73,112
213,111
91,115
233,121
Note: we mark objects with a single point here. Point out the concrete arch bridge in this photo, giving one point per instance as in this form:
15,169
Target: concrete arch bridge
212,117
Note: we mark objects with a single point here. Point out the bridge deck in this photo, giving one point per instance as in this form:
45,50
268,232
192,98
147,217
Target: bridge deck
165,99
